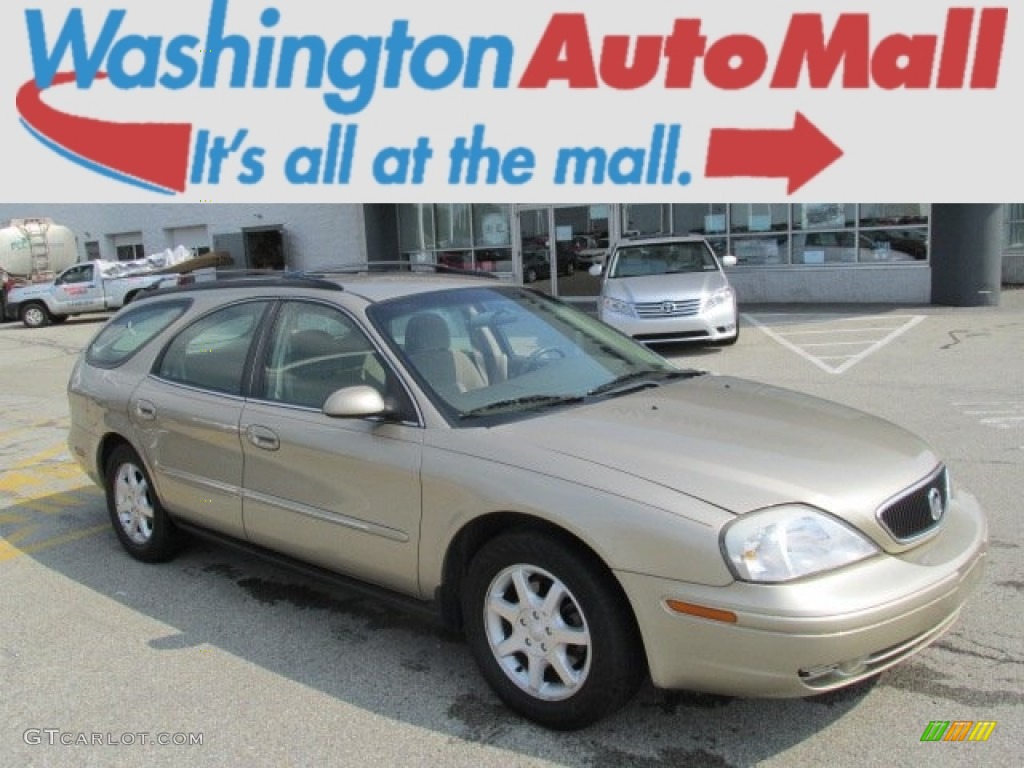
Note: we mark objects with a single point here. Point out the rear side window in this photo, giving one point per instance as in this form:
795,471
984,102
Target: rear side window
212,352
129,331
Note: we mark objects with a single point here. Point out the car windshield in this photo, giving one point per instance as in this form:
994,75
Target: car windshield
501,352
661,259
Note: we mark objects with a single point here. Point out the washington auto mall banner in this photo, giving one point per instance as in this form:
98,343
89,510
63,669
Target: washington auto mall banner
646,101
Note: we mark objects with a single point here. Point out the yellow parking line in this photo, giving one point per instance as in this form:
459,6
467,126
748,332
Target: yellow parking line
12,517
22,533
31,481
8,551
41,457
47,506
16,481
12,482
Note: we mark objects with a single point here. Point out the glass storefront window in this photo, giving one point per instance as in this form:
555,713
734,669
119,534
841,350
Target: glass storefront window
1013,217
480,259
415,228
647,219
479,236
454,225
758,217
491,226
753,251
891,214
819,248
699,219
459,235
824,215
888,245
493,260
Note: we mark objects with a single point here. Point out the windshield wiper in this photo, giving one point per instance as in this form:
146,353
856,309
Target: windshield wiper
529,402
629,382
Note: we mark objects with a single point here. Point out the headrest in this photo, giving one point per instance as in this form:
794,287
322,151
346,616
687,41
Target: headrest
426,332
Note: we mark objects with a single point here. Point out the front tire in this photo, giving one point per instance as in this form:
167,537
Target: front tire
140,521
551,631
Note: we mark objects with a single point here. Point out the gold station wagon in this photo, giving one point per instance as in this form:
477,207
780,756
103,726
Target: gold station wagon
587,513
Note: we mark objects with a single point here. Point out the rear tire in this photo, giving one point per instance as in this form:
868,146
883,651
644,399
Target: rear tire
35,315
551,631
140,521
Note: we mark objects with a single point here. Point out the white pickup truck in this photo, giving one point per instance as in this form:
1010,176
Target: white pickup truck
78,290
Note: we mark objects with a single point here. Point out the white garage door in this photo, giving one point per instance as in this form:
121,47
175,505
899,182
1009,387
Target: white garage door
195,238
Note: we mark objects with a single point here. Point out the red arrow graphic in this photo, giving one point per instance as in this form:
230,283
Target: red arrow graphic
156,153
799,153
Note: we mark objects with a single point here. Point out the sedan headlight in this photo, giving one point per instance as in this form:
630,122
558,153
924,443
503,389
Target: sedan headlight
718,298
787,542
617,307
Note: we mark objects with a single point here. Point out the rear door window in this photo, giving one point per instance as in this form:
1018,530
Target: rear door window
212,353
129,331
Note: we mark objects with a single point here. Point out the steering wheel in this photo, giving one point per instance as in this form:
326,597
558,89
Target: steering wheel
542,356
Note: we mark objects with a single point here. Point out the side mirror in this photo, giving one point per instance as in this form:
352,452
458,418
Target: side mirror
729,260
596,269
355,403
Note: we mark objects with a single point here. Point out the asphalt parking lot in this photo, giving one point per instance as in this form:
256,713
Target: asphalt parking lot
233,661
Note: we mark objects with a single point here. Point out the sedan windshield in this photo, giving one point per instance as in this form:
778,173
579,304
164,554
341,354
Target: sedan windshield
662,259
502,351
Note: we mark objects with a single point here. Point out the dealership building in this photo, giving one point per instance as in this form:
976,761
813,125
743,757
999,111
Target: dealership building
918,253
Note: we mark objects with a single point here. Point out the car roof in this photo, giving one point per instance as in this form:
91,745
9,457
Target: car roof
661,240
369,284
375,287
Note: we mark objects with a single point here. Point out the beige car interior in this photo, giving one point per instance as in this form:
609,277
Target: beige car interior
428,344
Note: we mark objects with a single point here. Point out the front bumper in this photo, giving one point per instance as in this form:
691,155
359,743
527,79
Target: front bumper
718,324
817,634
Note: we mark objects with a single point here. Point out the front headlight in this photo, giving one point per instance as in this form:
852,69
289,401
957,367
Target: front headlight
718,298
788,542
617,307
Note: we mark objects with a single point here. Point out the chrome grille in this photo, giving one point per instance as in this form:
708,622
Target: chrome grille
912,514
668,308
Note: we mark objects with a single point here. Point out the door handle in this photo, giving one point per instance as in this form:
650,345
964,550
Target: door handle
145,410
263,438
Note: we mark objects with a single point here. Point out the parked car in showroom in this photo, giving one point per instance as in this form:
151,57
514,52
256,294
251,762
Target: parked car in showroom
590,250
589,514
668,290
537,263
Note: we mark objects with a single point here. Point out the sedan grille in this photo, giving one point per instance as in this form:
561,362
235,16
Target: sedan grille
917,511
668,308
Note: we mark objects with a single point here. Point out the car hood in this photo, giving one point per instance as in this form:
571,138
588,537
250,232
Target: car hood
736,444
682,285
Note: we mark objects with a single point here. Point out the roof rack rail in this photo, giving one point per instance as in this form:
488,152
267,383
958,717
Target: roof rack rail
236,273
392,266
253,278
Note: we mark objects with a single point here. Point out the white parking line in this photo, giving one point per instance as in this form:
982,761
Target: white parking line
839,344
880,335
838,330
998,414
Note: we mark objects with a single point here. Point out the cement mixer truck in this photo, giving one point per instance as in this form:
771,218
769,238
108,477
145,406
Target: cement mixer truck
33,249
